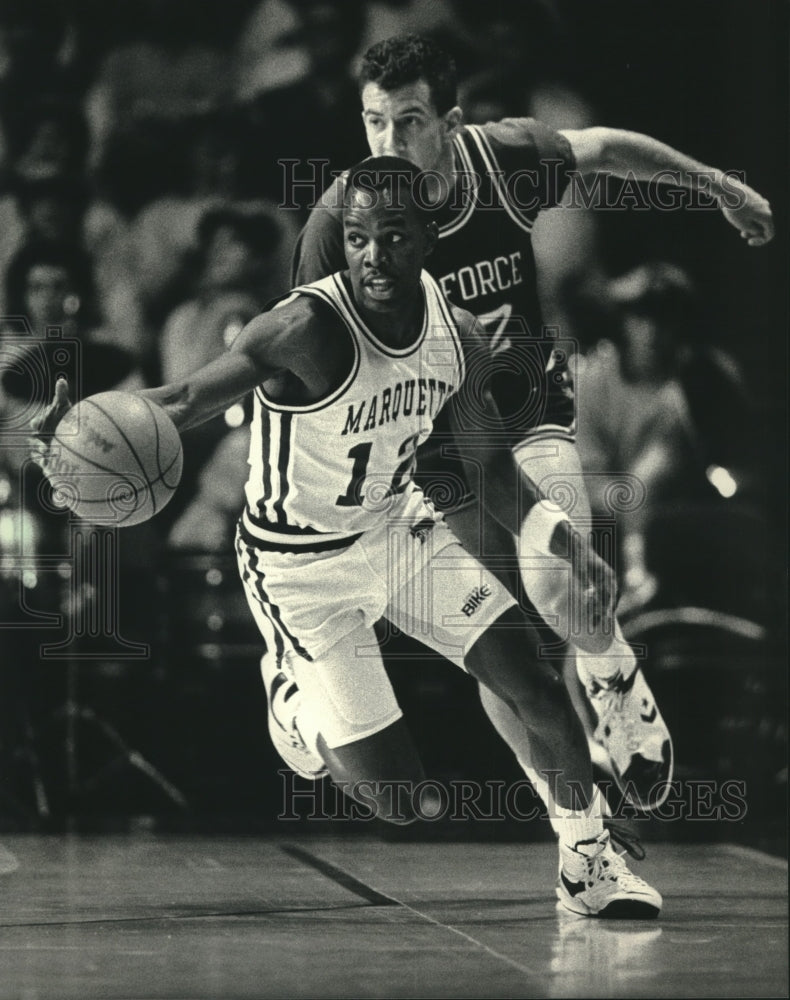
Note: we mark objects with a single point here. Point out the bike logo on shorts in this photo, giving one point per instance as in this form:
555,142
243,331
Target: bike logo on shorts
475,599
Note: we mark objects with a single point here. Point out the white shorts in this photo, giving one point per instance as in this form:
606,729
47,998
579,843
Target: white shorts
410,570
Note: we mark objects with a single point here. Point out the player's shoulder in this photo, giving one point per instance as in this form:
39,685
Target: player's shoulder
511,131
521,136
331,201
300,307
307,315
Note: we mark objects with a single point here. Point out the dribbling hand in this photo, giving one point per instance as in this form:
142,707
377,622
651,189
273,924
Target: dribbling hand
43,426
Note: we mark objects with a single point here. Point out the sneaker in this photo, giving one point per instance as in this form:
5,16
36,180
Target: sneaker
594,881
633,733
284,703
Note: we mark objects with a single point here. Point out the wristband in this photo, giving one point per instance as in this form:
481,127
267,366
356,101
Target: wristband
537,528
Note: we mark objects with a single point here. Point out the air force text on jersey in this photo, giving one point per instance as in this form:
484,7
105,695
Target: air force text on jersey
483,277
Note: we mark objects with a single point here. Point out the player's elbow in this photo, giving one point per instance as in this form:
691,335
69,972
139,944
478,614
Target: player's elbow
595,149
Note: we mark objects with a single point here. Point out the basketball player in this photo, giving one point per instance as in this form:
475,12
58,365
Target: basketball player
348,374
489,183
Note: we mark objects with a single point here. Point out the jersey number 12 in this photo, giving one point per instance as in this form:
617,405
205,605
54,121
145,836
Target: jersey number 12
360,457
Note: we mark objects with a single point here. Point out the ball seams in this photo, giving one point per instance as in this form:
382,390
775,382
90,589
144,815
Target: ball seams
143,493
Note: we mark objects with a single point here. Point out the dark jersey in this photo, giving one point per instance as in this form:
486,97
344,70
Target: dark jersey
506,172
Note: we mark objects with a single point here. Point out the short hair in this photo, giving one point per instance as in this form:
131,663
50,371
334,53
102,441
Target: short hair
258,230
71,257
405,59
378,173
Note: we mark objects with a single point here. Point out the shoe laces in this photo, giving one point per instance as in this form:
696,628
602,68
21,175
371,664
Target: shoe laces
608,866
622,837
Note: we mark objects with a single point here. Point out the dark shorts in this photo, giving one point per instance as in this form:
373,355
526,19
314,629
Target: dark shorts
533,391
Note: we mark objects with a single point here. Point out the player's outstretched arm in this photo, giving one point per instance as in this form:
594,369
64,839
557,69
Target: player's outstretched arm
631,154
271,343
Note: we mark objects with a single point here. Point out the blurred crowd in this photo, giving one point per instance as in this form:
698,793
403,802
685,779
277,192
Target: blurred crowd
140,177
141,213
141,216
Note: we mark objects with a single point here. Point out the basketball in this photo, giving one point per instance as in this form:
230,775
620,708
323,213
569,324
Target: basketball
116,459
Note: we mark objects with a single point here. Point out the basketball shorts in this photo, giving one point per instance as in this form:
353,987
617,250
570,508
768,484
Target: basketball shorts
410,570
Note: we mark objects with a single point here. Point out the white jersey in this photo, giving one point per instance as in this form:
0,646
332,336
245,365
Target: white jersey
329,470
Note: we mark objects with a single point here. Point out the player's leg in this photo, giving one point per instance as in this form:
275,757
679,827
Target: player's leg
349,717
593,878
628,723
457,607
486,539
536,696
286,724
331,707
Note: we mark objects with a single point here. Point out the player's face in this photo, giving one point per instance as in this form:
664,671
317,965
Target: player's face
47,294
228,259
385,243
404,122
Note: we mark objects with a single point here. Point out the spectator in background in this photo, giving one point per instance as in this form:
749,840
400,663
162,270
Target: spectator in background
658,403
38,208
266,55
239,268
237,272
51,197
48,136
304,116
46,194
49,284
38,52
60,209
163,74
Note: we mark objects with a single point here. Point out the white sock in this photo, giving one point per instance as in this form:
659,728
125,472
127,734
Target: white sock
570,825
574,825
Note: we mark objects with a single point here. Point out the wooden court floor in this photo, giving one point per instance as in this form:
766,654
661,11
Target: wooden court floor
162,916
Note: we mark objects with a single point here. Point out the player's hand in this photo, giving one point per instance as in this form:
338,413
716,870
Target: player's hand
592,590
43,426
752,218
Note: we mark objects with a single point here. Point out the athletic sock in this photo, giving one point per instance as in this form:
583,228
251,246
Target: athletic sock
570,825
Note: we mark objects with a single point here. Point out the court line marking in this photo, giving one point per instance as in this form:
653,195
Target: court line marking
338,875
173,917
346,879
753,854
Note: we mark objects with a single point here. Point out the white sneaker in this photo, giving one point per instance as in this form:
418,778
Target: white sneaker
595,882
284,702
632,731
